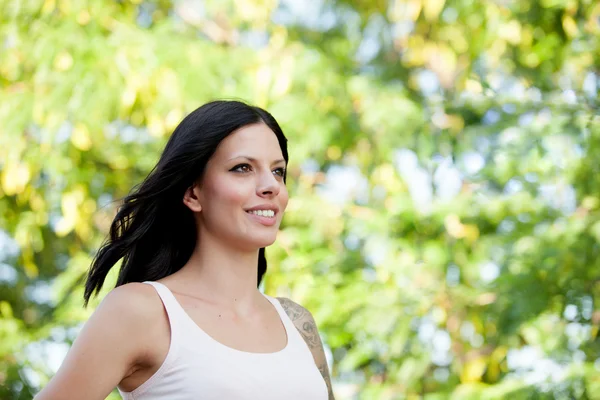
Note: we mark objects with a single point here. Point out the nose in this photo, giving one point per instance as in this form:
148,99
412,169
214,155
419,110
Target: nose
267,185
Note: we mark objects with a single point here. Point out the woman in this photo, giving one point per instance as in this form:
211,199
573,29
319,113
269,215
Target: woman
186,320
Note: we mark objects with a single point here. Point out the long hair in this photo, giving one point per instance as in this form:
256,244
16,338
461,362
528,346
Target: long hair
154,231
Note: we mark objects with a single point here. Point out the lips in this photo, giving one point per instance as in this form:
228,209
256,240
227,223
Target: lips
261,219
259,207
256,214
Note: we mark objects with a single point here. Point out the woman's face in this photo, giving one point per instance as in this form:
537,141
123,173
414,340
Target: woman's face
242,193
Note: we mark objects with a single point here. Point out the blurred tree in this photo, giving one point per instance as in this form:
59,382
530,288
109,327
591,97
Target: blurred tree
444,226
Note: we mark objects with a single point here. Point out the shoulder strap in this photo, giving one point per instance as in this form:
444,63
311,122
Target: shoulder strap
171,305
295,320
285,318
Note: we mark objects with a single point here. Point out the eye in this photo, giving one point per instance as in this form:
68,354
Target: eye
279,172
242,168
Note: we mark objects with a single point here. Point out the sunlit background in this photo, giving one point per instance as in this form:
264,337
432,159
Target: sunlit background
444,222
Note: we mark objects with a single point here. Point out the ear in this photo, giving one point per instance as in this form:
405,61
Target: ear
191,198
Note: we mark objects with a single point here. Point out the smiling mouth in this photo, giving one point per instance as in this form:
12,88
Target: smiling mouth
262,213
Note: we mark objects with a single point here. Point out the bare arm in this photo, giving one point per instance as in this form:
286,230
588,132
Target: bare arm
107,349
306,325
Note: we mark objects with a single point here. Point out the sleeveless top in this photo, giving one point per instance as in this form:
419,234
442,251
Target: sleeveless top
198,367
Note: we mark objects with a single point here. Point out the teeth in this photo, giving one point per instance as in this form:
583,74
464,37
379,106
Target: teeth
263,213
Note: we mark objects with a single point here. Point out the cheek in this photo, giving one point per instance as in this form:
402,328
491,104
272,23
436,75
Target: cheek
283,198
227,193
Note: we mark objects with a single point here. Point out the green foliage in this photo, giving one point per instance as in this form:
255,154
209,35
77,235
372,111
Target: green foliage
444,227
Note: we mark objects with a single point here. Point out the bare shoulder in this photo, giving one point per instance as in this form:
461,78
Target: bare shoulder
134,299
304,322
131,310
120,335
135,308
135,314
294,310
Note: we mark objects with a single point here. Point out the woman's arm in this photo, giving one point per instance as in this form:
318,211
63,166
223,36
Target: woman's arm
306,325
108,348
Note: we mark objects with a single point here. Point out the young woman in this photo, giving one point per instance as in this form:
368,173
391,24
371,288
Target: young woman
186,320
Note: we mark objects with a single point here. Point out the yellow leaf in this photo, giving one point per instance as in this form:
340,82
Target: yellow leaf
83,18
128,97
49,6
6,309
334,153
173,118
385,175
442,60
569,26
70,207
415,54
590,202
167,83
595,231
80,137
41,218
264,74
471,232
511,32
591,25
155,126
532,60
64,226
83,230
119,162
278,39
15,178
65,7
456,123
283,80
256,12
63,61
454,227
31,270
89,206
473,86
455,37
499,353
486,298
526,37
414,9
36,202
137,118
383,275
363,213
432,9
70,202
473,370
403,10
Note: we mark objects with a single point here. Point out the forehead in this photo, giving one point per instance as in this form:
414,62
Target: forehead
256,140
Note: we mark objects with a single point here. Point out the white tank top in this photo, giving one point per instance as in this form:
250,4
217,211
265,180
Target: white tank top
198,367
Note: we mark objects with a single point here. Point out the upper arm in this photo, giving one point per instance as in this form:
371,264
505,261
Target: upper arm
107,347
306,325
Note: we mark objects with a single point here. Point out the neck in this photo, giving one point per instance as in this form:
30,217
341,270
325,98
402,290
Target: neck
221,274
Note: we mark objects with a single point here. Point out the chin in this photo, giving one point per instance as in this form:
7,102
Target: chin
261,241
257,241
264,243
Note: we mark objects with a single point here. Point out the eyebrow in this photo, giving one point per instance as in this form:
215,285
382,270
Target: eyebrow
251,159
